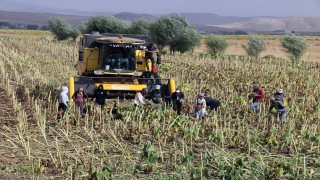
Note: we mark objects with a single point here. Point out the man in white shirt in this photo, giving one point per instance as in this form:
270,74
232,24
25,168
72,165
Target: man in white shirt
139,98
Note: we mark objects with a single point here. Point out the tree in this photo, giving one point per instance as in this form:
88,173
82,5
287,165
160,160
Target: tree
105,24
216,45
294,45
4,24
165,28
62,29
74,33
186,40
140,26
32,26
255,46
44,28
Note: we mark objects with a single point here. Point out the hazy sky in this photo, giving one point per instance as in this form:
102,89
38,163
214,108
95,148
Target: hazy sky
220,7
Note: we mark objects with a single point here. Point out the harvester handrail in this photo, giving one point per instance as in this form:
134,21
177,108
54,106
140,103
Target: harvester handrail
87,77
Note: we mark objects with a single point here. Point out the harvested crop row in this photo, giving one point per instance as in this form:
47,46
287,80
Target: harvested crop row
155,144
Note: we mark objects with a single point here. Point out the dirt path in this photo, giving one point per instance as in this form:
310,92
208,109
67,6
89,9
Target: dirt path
7,114
9,155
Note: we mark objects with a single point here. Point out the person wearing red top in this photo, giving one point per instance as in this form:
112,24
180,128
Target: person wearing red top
79,99
258,94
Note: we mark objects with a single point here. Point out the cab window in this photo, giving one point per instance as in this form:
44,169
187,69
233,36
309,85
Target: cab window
117,58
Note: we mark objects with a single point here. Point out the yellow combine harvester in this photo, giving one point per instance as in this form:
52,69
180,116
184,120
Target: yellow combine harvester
118,63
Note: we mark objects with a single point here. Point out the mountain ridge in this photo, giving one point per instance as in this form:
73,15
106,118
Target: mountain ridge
205,21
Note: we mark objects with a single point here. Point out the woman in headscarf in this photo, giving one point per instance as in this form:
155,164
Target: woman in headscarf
200,106
79,99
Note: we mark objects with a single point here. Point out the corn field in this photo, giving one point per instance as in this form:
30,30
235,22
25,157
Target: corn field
26,32
232,143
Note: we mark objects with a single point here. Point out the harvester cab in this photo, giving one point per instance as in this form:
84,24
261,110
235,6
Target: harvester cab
118,63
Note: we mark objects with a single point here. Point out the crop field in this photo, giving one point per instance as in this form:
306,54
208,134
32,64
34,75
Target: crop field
25,32
232,143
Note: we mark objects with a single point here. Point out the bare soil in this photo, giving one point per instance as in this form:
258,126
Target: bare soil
7,119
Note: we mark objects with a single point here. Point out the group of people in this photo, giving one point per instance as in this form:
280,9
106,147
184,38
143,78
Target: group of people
78,97
200,104
203,100
277,102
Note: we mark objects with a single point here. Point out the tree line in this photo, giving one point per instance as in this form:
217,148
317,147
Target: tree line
174,31
28,26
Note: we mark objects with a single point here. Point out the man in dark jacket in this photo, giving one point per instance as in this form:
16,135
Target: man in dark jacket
213,104
149,53
100,96
281,110
177,99
157,96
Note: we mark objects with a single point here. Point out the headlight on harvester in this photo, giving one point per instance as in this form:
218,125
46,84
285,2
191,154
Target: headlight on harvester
137,74
143,47
97,72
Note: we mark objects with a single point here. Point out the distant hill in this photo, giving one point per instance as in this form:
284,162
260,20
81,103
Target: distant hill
299,24
38,18
6,5
41,18
209,19
203,21
131,16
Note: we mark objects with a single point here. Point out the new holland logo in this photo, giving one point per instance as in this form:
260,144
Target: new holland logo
120,87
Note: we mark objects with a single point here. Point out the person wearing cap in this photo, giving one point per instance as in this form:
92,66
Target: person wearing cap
213,104
79,99
281,109
279,95
200,106
258,94
157,96
177,99
140,98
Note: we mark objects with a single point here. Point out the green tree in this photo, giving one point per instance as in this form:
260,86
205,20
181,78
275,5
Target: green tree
4,23
74,33
32,26
255,46
140,26
165,28
44,27
105,24
62,29
186,40
294,45
216,45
